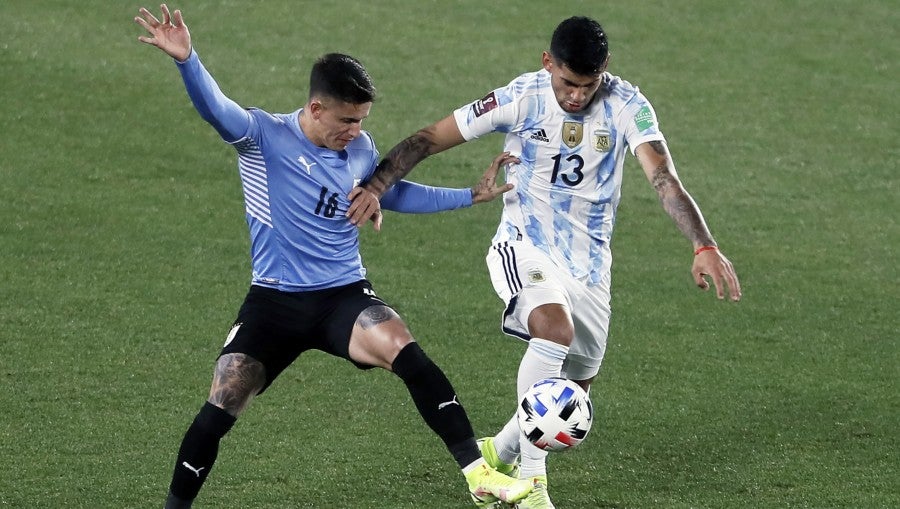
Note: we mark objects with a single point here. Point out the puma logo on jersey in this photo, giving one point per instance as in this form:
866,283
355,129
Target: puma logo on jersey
188,466
540,135
302,160
445,404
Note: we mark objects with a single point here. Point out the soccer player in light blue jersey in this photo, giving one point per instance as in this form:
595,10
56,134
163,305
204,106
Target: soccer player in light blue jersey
308,288
571,124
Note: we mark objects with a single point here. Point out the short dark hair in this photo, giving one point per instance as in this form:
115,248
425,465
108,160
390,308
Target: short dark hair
580,43
341,77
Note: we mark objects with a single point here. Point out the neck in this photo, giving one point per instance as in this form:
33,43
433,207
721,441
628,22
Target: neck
307,125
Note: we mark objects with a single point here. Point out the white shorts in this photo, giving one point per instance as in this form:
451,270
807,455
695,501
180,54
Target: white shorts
525,278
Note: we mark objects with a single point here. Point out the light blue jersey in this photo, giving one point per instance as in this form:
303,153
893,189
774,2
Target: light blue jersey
568,184
295,193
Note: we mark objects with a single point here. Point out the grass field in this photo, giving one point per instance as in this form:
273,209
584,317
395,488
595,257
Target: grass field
123,258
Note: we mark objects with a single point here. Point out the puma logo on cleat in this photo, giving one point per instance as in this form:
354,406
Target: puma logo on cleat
188,466
445,404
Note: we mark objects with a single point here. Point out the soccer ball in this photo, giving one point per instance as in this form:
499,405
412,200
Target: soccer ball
555,414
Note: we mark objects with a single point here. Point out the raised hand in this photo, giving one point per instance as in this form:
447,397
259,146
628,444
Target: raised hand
170,35
487,189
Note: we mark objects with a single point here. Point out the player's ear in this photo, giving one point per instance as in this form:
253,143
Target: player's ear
547,61
315,108
606,62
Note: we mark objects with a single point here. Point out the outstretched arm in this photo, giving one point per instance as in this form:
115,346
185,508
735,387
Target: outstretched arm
412,198
171,35
708,260
398,162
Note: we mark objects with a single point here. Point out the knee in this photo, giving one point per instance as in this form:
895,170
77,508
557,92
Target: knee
553,323
392,349
237,379
410,361
379,335
558,334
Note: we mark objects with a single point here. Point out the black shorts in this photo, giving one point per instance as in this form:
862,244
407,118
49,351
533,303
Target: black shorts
275,327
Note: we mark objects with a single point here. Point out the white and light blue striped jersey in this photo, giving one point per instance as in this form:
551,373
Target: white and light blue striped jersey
295,193
568,184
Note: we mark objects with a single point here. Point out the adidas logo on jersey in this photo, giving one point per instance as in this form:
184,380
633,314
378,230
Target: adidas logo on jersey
540,135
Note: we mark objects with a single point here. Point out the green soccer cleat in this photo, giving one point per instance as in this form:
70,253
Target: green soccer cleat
539,498
489,487
489,453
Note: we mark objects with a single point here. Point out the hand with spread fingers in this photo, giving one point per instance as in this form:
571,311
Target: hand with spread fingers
170,35
487,189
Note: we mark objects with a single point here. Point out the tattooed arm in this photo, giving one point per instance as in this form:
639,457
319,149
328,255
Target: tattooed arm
657,164
398,162
660,170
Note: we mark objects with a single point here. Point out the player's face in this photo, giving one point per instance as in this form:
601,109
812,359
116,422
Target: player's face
574,92
338,123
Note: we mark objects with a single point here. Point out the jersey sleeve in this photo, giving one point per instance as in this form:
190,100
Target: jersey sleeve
226,116
640,122
495,112
412,198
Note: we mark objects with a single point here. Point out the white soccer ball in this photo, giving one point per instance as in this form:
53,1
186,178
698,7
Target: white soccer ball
555,414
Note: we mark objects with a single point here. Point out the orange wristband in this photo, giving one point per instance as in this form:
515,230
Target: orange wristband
704,248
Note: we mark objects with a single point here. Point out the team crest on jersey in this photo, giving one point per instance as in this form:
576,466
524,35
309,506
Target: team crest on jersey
600,139
536,276
484,105
572,133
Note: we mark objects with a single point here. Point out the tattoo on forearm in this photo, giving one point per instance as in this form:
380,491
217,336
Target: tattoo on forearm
678,203
400,161
237,378
374,315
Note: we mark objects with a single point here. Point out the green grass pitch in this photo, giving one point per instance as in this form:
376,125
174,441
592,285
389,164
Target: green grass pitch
123,258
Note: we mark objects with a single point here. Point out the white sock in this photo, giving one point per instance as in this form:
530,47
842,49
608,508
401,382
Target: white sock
507,442
542,359
472,466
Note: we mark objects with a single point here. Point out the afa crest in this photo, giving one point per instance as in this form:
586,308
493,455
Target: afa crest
601,141
536,276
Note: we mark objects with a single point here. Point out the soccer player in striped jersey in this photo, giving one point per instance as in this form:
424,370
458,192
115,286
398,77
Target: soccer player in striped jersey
570,124
309,287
